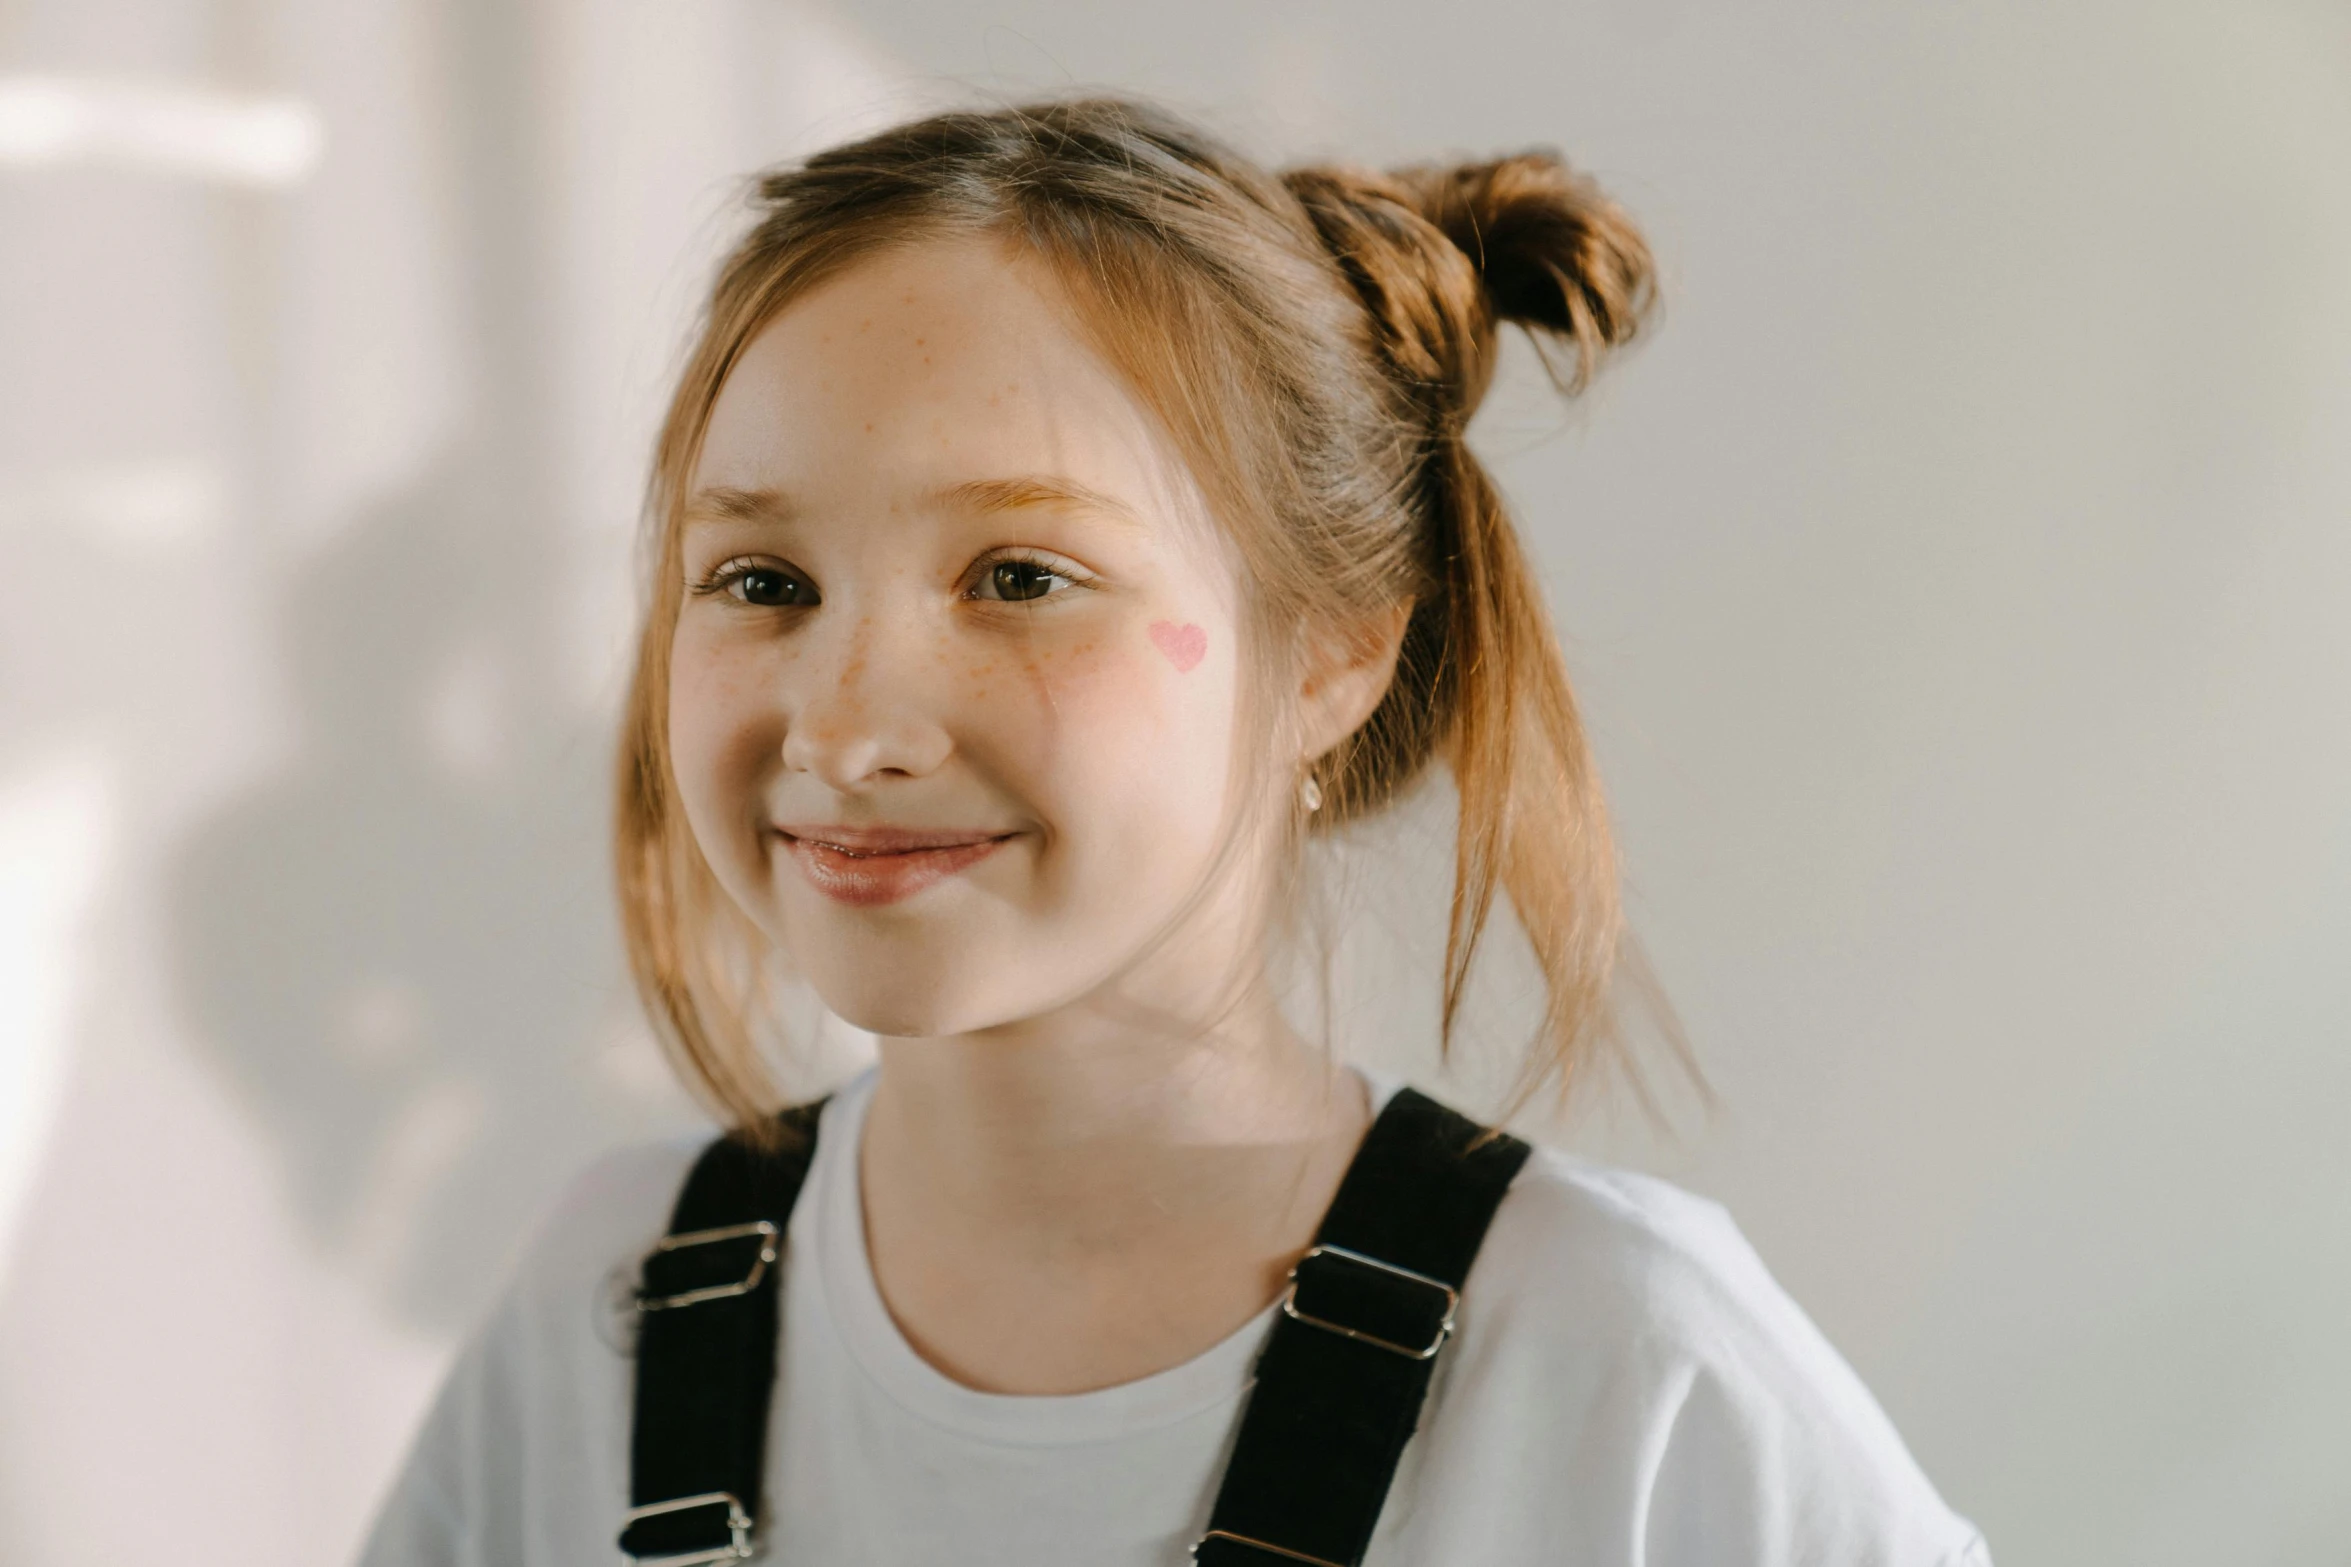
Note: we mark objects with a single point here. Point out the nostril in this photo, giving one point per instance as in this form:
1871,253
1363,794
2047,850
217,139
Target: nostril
850,742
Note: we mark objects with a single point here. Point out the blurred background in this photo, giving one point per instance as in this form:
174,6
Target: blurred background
1959,585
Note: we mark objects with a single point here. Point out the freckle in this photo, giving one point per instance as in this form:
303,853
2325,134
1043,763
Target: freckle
869,427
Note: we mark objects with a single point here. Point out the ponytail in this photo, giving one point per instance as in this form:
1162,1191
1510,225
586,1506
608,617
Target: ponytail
1439,257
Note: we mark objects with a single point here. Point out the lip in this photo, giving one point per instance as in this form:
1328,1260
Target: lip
867,867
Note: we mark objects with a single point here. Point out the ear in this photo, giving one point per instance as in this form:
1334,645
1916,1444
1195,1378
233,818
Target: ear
1346,673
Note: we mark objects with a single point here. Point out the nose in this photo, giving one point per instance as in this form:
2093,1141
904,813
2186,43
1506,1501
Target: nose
866,714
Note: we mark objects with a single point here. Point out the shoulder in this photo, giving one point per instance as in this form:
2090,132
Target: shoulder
1655,1330
567,1299
608,1215
1593,1267
1631,1251
527,1440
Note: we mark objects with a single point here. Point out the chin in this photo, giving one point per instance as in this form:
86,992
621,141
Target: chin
904,1012
916,989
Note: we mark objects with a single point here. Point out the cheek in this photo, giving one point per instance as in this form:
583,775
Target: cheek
722,730
1183,644
1118,728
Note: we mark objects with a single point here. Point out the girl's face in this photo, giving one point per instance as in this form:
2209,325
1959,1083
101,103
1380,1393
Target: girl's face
953,692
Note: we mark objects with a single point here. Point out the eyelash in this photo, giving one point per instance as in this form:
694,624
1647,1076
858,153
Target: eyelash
1051,565
722,577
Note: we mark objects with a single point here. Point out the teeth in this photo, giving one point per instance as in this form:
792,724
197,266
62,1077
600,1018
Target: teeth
857,852
869,854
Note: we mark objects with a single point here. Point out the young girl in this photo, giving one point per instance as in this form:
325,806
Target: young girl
1059,522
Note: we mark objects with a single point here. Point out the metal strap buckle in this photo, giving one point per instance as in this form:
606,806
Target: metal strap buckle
738,1547
767,1233
1283,1552
1408,1351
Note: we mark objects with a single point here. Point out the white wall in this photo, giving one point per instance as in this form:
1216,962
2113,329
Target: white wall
1956,585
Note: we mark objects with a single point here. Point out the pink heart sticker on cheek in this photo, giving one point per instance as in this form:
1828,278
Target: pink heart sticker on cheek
1184,645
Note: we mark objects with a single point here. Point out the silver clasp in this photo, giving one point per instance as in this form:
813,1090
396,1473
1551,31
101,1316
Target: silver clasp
738,1521
1410,1352
767,1233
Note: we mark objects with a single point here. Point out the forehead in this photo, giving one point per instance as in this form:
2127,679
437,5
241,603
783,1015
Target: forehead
931,366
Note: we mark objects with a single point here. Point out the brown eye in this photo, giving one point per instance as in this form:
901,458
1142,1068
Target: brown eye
771,588
1026,578
1020,579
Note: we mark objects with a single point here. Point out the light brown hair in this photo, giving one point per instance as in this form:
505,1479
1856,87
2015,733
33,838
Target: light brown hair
1315,344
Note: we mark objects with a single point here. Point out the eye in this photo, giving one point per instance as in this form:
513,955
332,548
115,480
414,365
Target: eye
762,585
768,586
1023,579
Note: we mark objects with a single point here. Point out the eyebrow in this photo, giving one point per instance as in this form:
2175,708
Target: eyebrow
725,503
1018,493
987,497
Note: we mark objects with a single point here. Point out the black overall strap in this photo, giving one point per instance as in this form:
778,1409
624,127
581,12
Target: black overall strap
706,1349
1340,1385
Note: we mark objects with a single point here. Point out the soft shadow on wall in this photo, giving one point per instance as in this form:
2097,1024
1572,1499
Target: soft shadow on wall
402,948
401,951
318,491
398,948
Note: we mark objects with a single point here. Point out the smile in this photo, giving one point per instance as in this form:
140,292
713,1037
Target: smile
870,866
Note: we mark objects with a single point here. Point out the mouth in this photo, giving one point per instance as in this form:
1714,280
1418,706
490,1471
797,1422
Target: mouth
866,867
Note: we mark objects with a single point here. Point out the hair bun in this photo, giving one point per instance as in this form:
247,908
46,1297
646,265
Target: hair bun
1556,254
1432,321
1441,253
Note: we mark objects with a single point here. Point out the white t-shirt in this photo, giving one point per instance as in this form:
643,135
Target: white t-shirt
1628,1388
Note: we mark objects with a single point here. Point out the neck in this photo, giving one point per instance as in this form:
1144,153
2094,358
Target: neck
1094,1125
1101,1190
